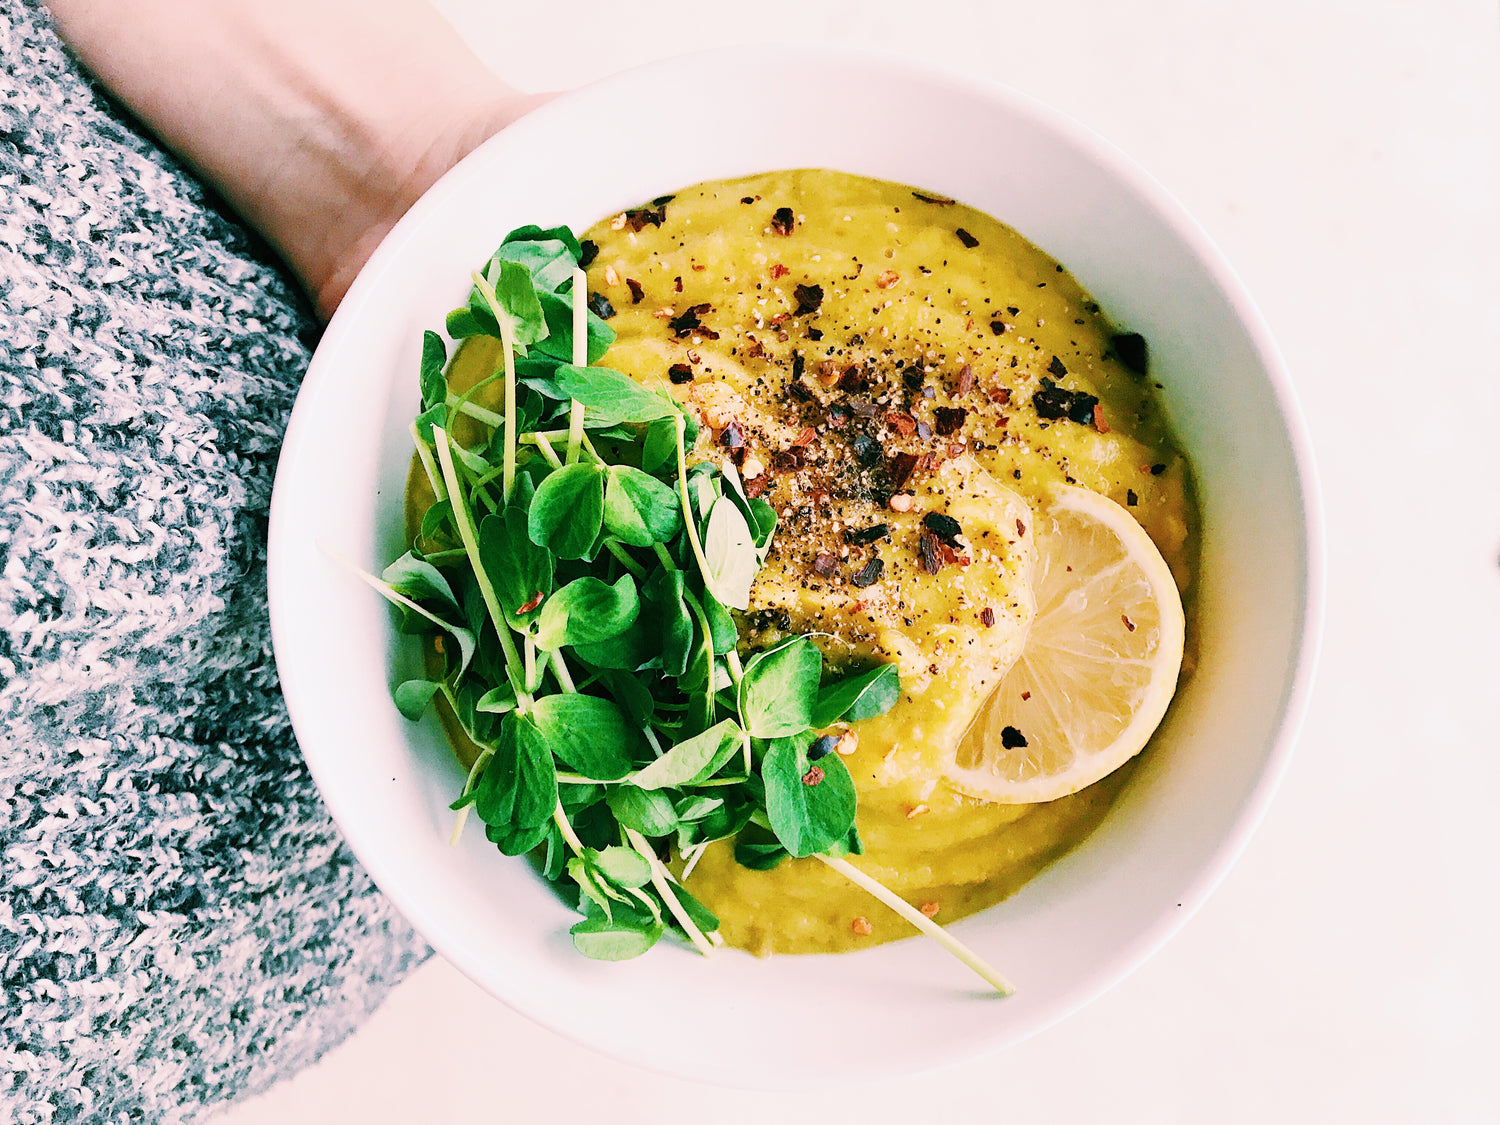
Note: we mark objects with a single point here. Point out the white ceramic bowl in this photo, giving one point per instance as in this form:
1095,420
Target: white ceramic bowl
1090,918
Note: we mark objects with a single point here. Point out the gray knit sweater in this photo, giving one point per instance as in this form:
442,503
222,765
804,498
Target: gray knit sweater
180,923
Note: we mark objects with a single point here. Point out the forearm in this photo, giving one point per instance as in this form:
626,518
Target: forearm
320,121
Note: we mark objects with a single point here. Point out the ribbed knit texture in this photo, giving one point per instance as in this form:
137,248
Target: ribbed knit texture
180,922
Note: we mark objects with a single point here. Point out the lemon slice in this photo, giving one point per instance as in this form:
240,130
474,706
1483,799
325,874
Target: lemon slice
1099,665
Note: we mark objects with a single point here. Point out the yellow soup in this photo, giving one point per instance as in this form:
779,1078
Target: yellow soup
866,354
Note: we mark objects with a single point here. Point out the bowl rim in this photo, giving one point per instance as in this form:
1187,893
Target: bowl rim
1308,614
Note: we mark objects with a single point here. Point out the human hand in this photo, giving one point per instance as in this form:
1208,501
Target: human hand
320,121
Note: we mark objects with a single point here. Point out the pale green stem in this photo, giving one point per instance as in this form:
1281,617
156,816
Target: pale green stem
659,880
617,549
920,921
546,450
466,532
508,349
565,826
580,358
687,504
655,744
478,413
434,478
462,816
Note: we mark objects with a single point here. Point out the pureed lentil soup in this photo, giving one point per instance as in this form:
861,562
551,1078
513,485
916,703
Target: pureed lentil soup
866,353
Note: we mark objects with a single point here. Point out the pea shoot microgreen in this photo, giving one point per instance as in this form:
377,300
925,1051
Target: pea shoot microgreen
579,576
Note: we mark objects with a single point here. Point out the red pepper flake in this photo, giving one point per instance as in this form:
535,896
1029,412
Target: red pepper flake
928,461
783,222
869,574
965,379
809,297
853,380
691,322
1020,528
901,468
677,284
862,927
966,238
778,271
755,485
987,617
639,218
531,603
1129,624
805,436
955,452
1000,396
905,424
945,527
1025,695
949,419
887,279
825,564
1012,739
1099,423
929,909
636,292
813,776
680,373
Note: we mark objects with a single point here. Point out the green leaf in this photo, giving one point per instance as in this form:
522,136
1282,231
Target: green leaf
518,301
779,688
533,233
758,852
462,323
434,360
622,866
729,550
858,697
693,761
587,611
517,792
810,805
633,696
669,621
613,395
498,700
568,510
660,448
517,568
439,515
725,635
648,811
420,581
639,509
550,261
557,308
587,733
413,696
627,934
702,917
